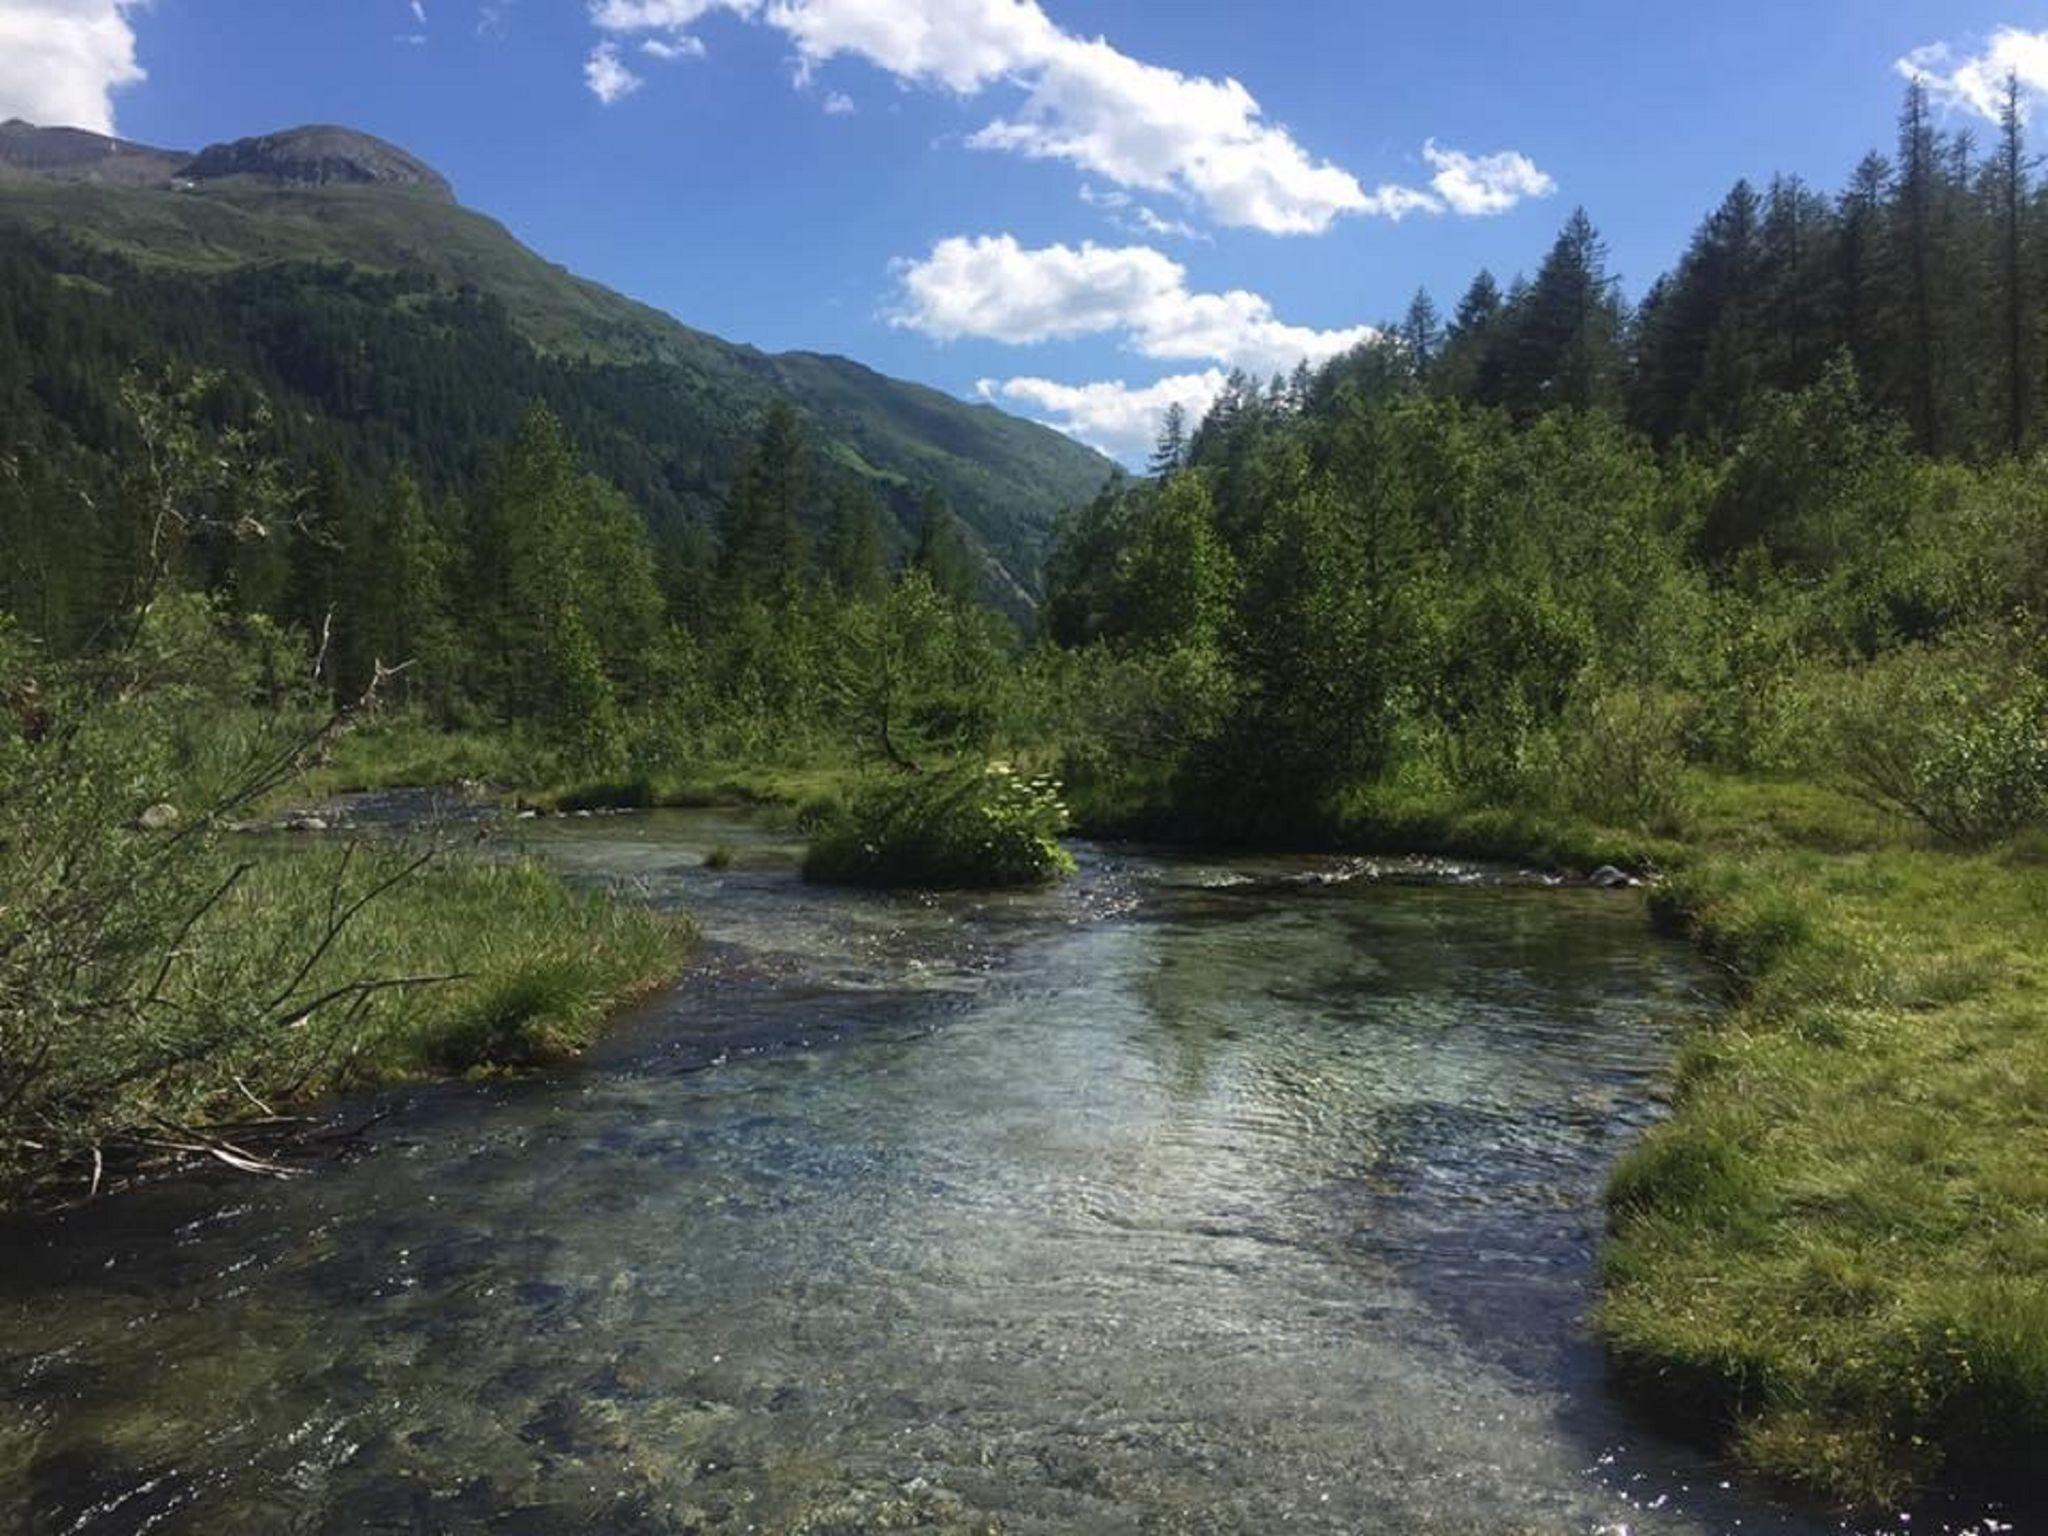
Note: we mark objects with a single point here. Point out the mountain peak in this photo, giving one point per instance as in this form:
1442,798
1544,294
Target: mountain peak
74,154
318,155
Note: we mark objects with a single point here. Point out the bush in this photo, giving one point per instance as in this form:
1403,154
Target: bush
1954,737
1618,761
969,829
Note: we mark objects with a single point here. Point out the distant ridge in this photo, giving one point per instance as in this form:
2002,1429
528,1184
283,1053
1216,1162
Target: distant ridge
319,155
393,326
72,154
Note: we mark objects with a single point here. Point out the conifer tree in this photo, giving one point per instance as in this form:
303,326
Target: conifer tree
2008,178
855,557
762,555
941,552
1170,452
1422,332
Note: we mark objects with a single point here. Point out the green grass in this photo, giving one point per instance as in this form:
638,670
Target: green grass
466,967
1836,1252
1832,1259
400,751
541,968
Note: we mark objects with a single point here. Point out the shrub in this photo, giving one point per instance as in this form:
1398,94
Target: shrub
1618,761
1954,737
974,828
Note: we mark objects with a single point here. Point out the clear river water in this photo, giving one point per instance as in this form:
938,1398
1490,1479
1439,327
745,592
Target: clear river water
1202,1195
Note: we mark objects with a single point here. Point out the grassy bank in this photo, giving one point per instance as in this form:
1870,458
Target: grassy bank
400,751
1833,1258
268,1003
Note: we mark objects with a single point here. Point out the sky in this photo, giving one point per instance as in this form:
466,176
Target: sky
1080,210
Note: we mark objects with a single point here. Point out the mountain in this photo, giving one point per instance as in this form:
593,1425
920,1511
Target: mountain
72,154
390,326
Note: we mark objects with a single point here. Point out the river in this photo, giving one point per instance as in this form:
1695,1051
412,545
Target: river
1202,1195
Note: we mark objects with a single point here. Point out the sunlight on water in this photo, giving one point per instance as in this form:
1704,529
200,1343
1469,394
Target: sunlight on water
1200,1196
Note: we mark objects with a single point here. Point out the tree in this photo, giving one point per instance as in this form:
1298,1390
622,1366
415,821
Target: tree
855,558
397,598
1565,346
1170,453
2009,192
941,552
1422,332
1916,214
1179,579
536,597
1469,367
761,553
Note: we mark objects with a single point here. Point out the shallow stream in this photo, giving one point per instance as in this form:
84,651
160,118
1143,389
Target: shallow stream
1202,1195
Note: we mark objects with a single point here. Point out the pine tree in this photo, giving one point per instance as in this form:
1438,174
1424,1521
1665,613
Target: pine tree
1916,214
1470,365
762,555
1170,453
855,557
2009,174
1422,332
941,552
1565,342
1862,255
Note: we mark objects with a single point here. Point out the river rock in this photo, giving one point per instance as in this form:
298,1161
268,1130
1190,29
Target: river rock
160,817
1608,878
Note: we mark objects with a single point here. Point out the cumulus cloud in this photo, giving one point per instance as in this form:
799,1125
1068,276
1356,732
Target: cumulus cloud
1478,186
607,75
1975,81
61,61
839,104
1121,420
991,288
1136,125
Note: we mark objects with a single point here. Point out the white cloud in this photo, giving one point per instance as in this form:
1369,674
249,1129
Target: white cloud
1120,420
607,76
1479,186
991,288
839,104
658,15
1975,82
62,60
419,11
1139,126
670,49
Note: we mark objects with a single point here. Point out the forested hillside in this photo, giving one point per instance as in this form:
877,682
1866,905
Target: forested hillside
387,327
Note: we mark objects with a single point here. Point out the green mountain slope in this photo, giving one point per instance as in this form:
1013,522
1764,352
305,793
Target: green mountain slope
394,326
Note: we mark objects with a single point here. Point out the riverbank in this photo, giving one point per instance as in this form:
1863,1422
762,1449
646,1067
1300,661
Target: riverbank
373,968
1832,1260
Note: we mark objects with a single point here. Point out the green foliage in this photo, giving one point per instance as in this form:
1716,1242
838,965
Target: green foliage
918,678
976,828
940,554
396,334
1955,738
158,976
1832,1250
1618,762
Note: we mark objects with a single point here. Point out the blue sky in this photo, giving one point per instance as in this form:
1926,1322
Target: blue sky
1063,204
